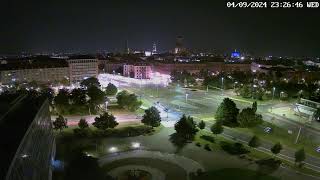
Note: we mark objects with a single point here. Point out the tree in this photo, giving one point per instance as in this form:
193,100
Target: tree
254,106
83,124
64,81
129,101
254,142
111,89
186,127
245,91
202,125
300,156
217,128
78,97
60,123
133,102
90,82
122,98
96,96
151,117
105,121
62,98
227,113
276,148
248,118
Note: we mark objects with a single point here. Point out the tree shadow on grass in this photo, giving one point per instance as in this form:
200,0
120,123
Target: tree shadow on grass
179,141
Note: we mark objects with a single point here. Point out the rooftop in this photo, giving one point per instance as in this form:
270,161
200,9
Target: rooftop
37,63
82,57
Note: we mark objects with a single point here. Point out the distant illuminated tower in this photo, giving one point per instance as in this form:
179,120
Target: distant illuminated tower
179,45
154,48
235,54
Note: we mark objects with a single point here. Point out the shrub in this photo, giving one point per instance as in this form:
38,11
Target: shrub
81,132
133,131
102,133
233,148
268,166
207,147
198,144
208,138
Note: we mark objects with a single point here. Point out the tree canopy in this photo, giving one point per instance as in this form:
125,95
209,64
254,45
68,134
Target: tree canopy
89,82
300,155
254,142
83,124
248,118
60,123
105,121
111,90
78,97
96,96
276,148
151,117
254,106
217,128
182,76
128,101
227,113
202,125
186,127
62,98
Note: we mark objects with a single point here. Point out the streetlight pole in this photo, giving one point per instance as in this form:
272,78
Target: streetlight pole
274,89
222,86
187,97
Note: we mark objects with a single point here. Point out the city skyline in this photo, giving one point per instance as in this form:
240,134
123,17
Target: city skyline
80,26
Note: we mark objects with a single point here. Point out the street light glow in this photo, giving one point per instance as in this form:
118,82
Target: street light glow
113,149
135,144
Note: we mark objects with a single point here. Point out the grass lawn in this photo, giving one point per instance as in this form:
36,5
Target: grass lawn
232,174
281,135
254,153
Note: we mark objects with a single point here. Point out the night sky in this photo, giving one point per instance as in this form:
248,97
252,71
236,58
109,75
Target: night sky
90,26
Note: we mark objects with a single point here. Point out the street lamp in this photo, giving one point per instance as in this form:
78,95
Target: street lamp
234,85
222,86
274,89
187,97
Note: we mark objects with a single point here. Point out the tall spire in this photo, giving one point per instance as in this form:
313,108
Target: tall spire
154,48
127,50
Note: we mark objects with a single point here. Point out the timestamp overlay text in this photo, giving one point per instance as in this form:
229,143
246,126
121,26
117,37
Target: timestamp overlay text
273,4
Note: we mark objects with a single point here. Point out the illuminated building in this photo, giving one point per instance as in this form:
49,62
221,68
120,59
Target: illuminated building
137,71
235,55
82,67
41,71
179,45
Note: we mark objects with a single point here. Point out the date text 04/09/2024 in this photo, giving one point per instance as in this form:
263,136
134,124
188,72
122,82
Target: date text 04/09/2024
272,4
